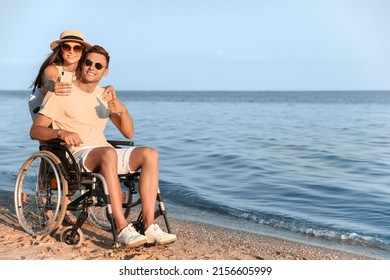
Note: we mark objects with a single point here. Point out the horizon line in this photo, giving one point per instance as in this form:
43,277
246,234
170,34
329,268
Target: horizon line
233,90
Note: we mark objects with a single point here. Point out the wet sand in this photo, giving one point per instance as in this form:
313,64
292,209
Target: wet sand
196,241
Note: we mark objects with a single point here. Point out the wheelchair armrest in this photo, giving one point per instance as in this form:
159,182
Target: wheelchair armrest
56,141
117,143
53,141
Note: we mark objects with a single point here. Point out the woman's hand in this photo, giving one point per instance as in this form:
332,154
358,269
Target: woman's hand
62,89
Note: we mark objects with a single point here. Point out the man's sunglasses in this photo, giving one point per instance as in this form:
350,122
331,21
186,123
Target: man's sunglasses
89,63
68,48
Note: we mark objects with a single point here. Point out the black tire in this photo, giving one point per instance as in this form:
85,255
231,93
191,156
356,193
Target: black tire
66,236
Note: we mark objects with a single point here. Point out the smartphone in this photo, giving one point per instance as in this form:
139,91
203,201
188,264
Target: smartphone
66,77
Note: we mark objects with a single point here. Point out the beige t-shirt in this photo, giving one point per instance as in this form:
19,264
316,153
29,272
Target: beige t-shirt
80,112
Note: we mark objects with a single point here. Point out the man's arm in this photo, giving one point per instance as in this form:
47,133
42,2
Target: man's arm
120,116
40,130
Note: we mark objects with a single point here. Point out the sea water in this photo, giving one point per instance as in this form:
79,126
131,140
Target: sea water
307,166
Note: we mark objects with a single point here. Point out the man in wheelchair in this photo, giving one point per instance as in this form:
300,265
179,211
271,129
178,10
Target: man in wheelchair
79,120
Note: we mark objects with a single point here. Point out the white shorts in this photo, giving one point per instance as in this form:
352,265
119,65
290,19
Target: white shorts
123,159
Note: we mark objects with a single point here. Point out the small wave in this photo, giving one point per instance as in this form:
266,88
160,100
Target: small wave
187,197
311,230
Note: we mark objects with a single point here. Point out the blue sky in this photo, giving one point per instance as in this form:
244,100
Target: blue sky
209,45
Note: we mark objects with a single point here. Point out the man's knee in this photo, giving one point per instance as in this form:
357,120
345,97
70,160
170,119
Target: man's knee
147,155
142,157
151,154
108,154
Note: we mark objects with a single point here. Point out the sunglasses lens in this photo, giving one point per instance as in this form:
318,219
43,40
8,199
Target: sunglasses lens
78,49
66,47
98,65
88,62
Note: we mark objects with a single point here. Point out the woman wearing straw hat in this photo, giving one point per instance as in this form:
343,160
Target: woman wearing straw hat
68,51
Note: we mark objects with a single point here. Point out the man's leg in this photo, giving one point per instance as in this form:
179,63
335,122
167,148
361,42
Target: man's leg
104,160
146,159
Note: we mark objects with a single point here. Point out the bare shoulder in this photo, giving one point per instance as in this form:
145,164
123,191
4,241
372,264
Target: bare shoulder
51,73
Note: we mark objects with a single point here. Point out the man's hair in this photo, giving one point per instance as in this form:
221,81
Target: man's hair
99,50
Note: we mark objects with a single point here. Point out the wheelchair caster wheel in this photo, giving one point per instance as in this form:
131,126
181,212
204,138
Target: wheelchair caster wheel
69,238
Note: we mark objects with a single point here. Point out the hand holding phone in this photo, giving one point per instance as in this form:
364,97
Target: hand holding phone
65,86
66,77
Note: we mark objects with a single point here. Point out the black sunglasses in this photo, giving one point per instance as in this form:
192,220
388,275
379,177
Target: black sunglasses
89,63
68,48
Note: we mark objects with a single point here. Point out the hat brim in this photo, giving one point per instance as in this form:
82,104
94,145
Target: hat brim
54,44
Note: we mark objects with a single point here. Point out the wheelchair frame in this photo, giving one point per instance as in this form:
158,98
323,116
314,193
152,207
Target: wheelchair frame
51,179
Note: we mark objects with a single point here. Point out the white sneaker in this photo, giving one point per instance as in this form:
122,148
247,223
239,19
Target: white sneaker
155,235
130,237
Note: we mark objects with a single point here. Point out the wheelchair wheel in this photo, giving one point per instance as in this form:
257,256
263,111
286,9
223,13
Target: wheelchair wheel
97,215
40,194
71,238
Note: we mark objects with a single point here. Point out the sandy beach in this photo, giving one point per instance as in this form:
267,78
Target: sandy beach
196,241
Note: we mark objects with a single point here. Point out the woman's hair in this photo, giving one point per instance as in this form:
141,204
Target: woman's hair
54,58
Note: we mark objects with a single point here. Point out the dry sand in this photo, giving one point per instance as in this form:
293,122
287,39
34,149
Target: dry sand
195,242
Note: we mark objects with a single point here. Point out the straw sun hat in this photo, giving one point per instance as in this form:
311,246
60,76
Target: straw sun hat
70,35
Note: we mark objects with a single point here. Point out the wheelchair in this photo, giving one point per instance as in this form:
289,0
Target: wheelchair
50,183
